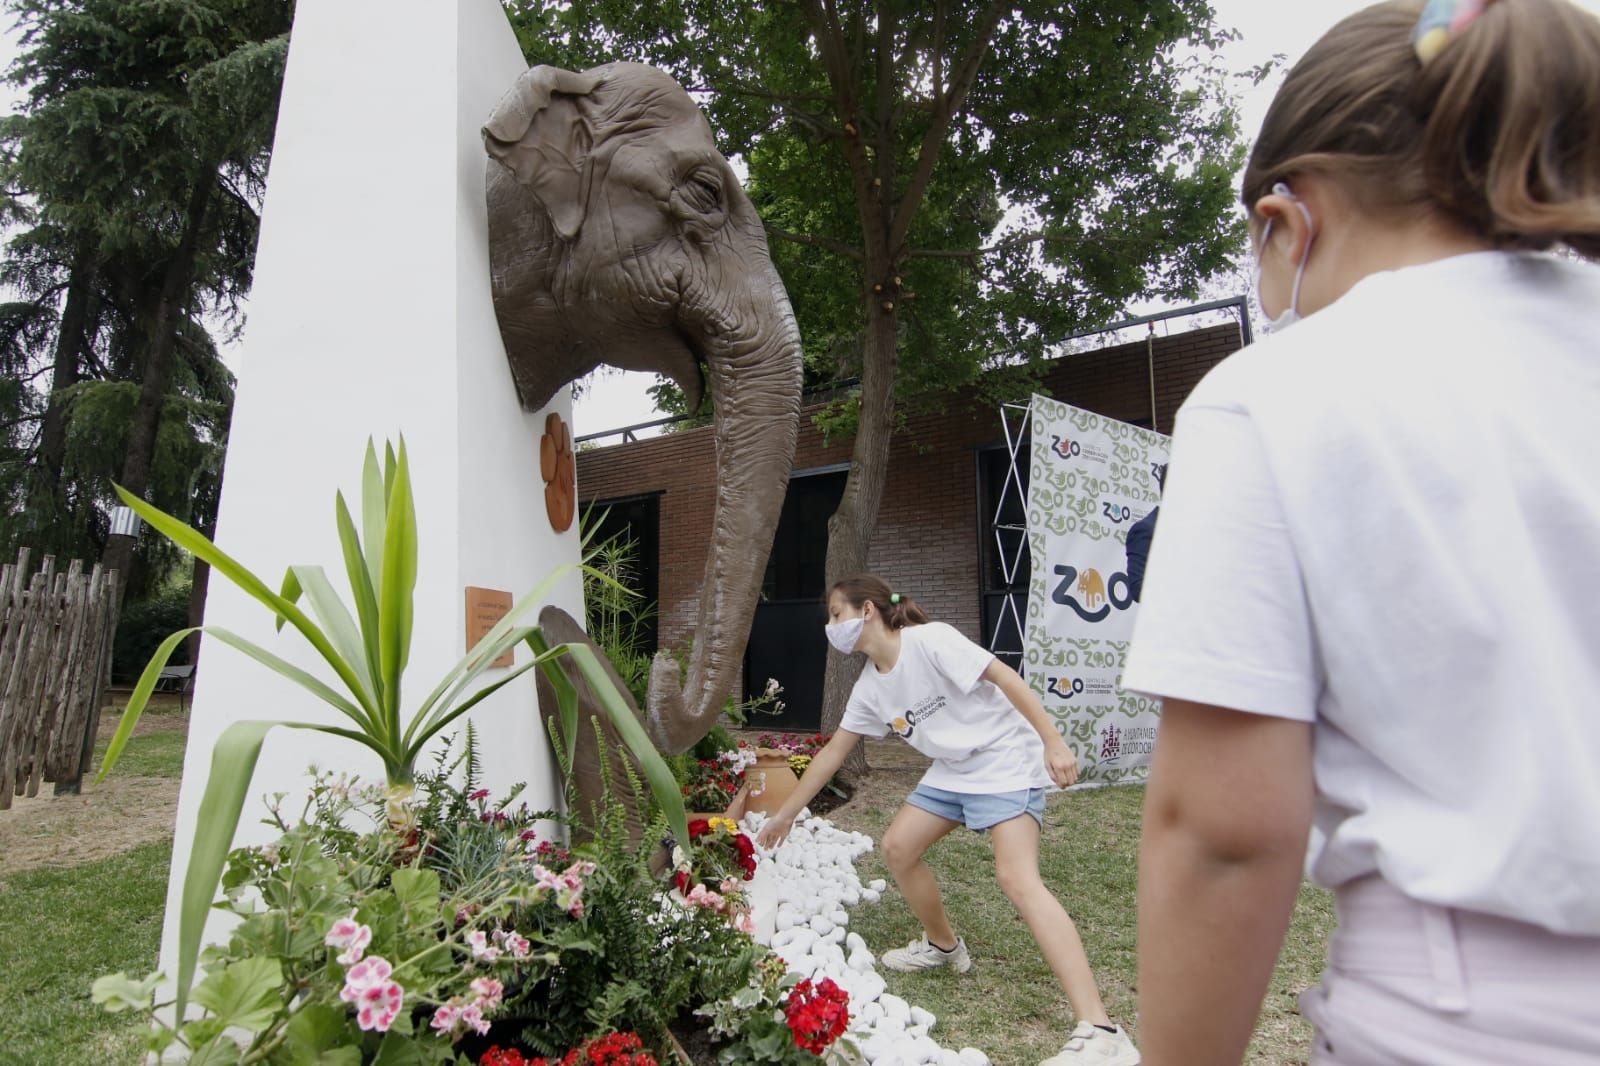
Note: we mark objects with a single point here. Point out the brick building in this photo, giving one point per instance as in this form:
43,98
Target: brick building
935,537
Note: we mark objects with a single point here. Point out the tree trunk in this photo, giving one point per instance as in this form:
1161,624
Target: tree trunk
200,579
69,349
851,527
160,338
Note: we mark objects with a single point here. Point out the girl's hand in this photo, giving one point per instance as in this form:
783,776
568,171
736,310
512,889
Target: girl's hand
1061,763
775,832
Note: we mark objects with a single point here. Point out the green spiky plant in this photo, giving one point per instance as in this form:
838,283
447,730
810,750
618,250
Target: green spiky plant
368,653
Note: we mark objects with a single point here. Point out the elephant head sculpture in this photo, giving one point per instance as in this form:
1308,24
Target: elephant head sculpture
618,234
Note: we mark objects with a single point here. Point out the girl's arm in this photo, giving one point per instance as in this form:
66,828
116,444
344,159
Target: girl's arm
1226,817
823,766
1059,759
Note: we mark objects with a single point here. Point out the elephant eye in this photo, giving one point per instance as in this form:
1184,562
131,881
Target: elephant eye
703,190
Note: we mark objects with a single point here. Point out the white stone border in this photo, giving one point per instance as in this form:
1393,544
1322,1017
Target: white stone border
801,897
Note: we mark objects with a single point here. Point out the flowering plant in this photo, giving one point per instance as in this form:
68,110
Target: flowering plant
779,1018
712,783
350,944
724,858
794,743
613,1049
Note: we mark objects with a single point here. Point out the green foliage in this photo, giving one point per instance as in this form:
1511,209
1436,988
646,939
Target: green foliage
1089,163
367,652
714,743
144,625
616,615
133,171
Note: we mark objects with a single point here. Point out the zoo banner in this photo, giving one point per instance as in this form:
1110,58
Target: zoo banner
1091,478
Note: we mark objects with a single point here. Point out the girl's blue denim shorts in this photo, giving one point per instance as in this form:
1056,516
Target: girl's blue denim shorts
979,810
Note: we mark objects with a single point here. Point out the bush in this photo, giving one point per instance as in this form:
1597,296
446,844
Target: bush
144,625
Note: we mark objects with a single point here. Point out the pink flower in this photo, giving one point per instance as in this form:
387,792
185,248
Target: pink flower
701,896
743,922
349,936
445,1018
478,941
488,992
376,997
472,1017
478,794
516,944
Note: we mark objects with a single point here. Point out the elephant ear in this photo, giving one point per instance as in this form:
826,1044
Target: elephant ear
539,133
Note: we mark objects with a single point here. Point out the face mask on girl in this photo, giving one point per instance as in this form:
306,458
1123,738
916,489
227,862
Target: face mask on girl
847,634
1291,314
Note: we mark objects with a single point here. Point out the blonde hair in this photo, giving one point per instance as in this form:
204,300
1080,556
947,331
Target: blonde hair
1500,132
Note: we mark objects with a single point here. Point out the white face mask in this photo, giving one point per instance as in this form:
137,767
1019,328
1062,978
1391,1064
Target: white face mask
847,634
1291,314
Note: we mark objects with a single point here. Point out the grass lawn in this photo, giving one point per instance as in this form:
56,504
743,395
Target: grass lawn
61,926
1009,1004
59,930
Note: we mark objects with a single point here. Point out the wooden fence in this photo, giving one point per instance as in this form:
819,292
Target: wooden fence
55,660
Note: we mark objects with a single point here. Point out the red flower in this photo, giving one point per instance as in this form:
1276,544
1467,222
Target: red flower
817,1015
682,880
496,1056
699,828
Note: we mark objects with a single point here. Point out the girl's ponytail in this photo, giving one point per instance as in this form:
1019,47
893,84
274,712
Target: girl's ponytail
1496,130
898,609
1512,142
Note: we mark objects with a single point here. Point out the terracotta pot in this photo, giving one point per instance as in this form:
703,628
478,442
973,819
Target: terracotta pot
770,780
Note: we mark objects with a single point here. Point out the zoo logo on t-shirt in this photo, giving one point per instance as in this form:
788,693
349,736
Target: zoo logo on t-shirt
906,724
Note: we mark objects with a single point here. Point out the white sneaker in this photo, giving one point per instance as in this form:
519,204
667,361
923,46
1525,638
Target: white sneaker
920,955
1089,1044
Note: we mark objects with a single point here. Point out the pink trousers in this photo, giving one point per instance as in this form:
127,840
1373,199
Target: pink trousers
1411,984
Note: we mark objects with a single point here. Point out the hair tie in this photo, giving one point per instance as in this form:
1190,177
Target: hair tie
1441,21
894,597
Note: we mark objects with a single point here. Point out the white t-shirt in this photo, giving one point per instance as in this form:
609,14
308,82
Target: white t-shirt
1386,521
936,700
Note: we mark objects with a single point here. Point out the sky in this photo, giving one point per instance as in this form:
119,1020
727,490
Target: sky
613,399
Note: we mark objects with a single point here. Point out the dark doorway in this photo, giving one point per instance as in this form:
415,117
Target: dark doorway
786,638
1002,534
636,520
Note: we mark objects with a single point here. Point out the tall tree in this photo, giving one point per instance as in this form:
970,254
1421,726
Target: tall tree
137,161
949,184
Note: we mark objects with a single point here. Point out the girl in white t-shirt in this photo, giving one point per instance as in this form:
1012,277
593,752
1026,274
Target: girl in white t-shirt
994,753
1373,603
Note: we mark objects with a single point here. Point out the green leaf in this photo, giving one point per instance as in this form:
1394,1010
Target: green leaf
319,1035
374,507
419,732
361,587
394,603
663,785
200,546
245,994
118,992
220,1050
470,665
336,621
138,700
566,696
233,763
290,591
417,891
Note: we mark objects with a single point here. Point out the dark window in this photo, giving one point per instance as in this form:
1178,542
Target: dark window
796,570
786,637
1003,543
636,519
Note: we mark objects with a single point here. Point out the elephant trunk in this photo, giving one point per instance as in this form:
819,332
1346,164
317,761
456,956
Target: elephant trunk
755,382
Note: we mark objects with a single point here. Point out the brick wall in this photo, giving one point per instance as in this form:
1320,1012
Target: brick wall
928,524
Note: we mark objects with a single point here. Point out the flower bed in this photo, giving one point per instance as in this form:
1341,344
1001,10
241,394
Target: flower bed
817,885
474,937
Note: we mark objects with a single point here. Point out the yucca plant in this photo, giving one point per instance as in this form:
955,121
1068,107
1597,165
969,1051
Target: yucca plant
368,653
